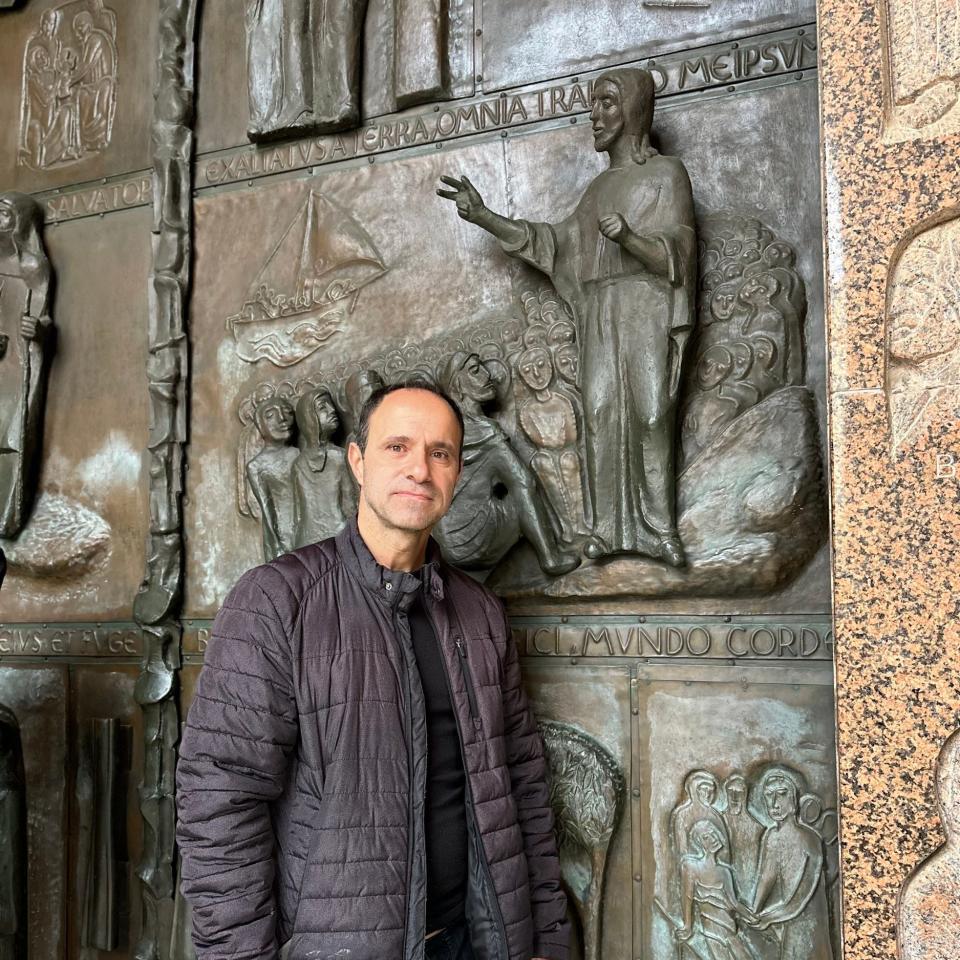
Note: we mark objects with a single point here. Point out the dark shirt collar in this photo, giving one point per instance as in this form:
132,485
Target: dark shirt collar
392,586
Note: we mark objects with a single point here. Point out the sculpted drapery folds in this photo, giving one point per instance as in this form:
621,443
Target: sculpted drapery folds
25,279
304,62
625,263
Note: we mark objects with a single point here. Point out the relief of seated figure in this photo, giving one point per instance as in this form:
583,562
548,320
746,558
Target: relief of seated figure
497,501
549,421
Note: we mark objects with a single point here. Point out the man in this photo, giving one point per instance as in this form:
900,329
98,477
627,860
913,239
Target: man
360,774
625,263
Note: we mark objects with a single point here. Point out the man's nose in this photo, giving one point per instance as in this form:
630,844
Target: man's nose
418,466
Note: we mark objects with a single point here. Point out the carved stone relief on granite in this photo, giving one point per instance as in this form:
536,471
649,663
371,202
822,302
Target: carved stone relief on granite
923,67
308,285
25,345
69,85
923,331
928,914
587,791
304,61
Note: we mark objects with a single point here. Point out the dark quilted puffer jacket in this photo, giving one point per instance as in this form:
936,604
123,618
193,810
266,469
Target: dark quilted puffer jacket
300,787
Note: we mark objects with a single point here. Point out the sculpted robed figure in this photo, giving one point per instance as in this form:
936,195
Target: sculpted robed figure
625,262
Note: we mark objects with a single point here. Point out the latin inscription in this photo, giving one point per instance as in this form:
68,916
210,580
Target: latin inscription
772,640
135,192
70,641
775,54
740,641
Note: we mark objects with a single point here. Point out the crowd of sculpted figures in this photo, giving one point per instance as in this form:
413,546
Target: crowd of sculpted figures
69,85
516,385
754,863
518,382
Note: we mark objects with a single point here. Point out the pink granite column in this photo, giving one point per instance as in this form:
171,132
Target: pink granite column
890,78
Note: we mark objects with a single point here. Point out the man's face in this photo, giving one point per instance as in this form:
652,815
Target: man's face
475,381
606,115
412,462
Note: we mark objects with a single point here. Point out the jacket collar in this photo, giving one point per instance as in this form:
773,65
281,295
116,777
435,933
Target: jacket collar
391,586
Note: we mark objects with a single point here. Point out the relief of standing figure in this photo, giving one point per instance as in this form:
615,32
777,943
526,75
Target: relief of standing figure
323,488
25,325
549,421
790,896
625,263
270,478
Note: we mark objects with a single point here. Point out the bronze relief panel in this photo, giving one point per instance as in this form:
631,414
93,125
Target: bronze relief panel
528,42
325,298
80,554
76,80
739,814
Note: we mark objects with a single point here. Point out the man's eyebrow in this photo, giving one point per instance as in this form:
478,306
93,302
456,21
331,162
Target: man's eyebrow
443,445
397,439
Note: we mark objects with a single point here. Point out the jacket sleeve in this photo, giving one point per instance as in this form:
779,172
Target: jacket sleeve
238,738
528,776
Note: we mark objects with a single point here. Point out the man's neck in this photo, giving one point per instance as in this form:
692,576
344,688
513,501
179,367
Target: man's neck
392,548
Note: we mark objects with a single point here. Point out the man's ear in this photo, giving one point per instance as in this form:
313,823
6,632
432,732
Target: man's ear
355,459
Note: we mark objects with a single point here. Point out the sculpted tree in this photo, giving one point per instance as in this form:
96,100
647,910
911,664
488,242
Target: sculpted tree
625,263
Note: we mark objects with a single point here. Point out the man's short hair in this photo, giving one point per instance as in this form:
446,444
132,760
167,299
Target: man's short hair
411,383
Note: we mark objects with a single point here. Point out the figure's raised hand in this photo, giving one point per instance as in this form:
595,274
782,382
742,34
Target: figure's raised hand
465,195
614,227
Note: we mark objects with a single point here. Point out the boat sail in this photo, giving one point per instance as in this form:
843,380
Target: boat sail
308,287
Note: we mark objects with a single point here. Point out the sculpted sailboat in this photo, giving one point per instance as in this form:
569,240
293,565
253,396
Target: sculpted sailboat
308,286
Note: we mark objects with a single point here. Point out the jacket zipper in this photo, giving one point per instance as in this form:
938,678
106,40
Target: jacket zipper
408,727
471,698
468,682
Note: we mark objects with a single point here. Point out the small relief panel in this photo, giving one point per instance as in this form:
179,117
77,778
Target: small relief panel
583,715
69,93
923,333
33,811
79,552
740,826
529,42
922,68
107,757
587,795
77,77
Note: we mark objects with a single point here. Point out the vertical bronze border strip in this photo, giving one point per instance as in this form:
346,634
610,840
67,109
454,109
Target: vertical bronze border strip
157,605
